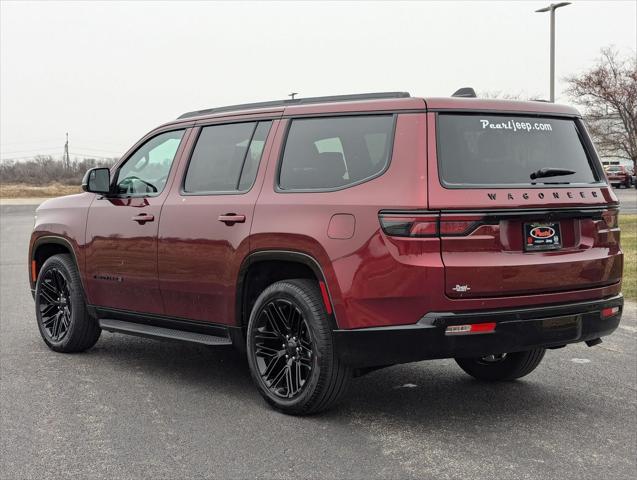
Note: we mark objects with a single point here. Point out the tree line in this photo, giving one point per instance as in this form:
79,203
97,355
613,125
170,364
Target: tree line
44,169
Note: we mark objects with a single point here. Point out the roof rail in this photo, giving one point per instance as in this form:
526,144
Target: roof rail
297,101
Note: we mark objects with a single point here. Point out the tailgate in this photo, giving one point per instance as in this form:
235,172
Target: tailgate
504,233
493,257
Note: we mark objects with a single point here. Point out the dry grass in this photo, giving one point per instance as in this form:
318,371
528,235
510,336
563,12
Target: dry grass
21,190
628,224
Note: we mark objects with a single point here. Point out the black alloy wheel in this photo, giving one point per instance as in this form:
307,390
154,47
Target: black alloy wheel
283,348
60,307
54,300
291,354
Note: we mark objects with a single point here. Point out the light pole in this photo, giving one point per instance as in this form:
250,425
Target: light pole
551,8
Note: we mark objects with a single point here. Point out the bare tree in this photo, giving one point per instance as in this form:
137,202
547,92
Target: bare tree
499,94
608,93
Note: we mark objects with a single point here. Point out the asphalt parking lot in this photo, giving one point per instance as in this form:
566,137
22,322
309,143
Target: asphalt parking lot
137,408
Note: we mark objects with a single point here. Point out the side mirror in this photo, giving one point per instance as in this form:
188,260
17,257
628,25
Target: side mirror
97,180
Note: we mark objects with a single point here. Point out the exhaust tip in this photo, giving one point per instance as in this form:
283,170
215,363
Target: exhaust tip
593,342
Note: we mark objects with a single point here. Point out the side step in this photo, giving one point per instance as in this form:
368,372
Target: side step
151,331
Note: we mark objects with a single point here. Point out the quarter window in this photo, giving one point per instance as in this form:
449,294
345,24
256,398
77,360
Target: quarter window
332,153
226,157
146,171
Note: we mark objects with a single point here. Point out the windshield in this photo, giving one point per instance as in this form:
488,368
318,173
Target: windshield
482,150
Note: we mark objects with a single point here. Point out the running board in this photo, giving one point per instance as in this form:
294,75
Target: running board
151,331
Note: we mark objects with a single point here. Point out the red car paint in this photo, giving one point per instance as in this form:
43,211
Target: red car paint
188,264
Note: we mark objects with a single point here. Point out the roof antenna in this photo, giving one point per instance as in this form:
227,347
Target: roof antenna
292,95
466,92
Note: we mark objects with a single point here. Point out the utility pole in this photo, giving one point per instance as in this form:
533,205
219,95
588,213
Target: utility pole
66,161
551,8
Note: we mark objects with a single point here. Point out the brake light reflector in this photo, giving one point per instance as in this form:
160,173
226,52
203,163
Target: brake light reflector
326,297
610,312
488,327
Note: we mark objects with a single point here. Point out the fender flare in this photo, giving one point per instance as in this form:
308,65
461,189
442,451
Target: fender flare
292,256
55,239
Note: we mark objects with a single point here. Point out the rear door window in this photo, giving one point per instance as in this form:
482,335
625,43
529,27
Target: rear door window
333,153
226,158
487,150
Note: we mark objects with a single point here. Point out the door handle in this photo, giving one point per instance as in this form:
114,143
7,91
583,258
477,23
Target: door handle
232,218
143,218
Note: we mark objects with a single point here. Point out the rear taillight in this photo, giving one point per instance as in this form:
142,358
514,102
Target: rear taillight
428,224
405,225
459,224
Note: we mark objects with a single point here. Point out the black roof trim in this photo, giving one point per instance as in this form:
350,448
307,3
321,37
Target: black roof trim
297,101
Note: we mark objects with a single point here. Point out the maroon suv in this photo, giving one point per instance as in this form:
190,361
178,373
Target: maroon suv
618,176
326,237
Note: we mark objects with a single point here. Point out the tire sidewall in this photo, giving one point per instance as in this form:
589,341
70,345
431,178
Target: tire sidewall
286,292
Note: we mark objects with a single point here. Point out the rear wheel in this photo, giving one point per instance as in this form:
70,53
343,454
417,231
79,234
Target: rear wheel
60,308
290,350
502,367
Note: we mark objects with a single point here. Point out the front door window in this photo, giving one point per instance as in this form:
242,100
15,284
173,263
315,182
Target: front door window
146,171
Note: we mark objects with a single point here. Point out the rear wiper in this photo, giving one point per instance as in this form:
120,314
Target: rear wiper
551,172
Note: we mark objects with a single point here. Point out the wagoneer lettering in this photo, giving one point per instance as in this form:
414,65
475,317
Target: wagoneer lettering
326,237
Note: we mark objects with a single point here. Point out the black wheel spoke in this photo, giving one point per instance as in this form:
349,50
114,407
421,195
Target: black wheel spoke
296,322
56,326
297,376
278,320
274,323
59,281
47,294
279,376
289,382
46,321
267,350
264,335
48,310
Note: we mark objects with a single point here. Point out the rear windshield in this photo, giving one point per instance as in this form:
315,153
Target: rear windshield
482,150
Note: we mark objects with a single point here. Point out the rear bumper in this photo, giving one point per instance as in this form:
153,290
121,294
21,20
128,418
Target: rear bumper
516,330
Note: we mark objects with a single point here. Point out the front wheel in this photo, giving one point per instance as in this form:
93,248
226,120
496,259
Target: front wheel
60,308
503,366
290,349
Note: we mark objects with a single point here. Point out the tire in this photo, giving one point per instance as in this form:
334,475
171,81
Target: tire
63,319
289,318
509,366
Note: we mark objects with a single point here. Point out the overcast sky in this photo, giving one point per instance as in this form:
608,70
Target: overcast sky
109,72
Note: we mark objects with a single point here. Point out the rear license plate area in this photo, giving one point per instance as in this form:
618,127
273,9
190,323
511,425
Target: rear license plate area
558,329
539,236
